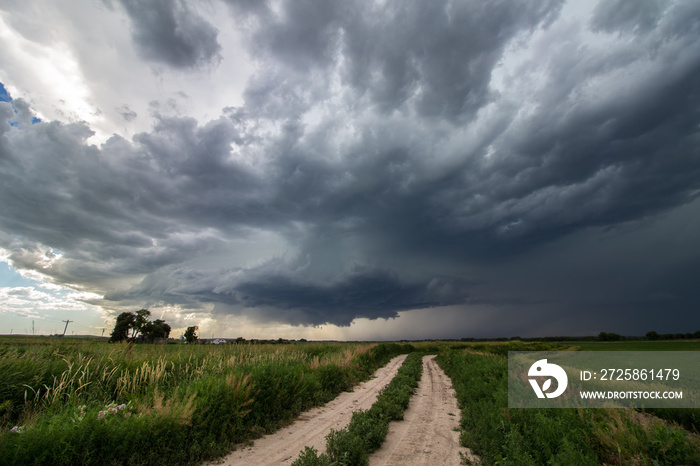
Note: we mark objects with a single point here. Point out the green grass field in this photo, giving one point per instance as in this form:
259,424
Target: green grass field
665,345
79,401
500,435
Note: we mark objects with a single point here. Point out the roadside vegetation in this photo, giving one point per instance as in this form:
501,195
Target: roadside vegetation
70,401
367,430
93,403
500,435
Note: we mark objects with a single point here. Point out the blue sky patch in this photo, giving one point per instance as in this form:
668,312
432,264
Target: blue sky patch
4,96
11,278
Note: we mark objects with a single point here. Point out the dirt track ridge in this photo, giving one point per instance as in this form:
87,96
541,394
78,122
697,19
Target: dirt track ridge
312,427
429,433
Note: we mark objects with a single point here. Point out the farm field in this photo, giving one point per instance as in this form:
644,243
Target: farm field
78,401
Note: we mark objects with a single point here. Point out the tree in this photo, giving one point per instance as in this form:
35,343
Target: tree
191,334
652,335
125,322
603,336
156,329
141,320
138,324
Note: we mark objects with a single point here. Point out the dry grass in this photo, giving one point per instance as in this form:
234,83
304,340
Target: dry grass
149,373
244,388
179,410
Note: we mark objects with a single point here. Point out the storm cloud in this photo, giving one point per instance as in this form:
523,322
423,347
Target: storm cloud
170,32
387,157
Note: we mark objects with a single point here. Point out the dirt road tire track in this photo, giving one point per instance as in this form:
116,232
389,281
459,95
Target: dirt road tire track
429,434
312,427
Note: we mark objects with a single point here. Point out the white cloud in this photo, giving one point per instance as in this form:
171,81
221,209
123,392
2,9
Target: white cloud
84,67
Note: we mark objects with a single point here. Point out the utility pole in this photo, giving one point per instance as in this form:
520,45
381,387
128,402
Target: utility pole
32,327
67,322
103,332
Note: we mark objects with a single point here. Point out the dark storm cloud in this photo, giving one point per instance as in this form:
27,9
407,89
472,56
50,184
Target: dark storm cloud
278,295
304,33
581,162
435,56
368,293
121,208
170,32
379,142
575,161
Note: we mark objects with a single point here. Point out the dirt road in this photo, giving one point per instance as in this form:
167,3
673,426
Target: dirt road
311,428
427,435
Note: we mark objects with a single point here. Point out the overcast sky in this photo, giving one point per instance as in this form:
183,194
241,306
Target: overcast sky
351,170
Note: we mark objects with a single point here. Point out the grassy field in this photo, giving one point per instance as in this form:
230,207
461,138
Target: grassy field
500,435
82,401
665,345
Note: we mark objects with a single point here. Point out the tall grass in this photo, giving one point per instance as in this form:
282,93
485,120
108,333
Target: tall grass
182,404
500,435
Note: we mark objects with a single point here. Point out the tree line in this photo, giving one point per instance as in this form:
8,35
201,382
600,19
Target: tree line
652,335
